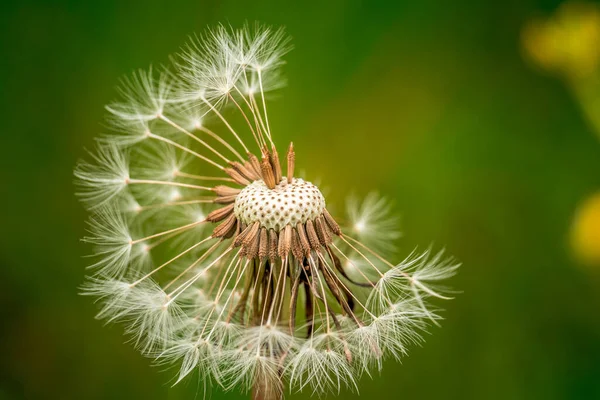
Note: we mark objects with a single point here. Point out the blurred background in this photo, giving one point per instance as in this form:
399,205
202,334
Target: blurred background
481,119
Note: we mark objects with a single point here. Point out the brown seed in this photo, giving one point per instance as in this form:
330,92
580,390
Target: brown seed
232,231
285,241
251,234
248,165
322,232
274,158
236,176
291,163
273,242
296,246
304,243
267,173
313,239
263,249
335,228
220,213
242,170
224,228
255,164
245,231
225,199
223,190
252,247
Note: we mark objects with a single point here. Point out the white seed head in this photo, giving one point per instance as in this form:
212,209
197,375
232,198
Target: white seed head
239,272
286,204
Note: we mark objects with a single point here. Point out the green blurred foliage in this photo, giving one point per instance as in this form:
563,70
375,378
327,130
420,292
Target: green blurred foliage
428,102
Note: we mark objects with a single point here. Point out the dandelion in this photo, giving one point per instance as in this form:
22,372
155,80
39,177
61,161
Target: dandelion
218,258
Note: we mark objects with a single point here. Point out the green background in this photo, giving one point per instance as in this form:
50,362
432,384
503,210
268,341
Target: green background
429,102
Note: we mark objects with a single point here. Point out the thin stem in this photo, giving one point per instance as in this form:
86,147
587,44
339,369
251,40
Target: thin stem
167,232
339,281
354,265
175,144
231,294
279,293
285,268
220,140
257,113
371,251
363,256
180,289
167,183
171,260
202,177
264,307
315,273
262,94
201,258
253,111
213,109
220,292
256,138
202,142
175,203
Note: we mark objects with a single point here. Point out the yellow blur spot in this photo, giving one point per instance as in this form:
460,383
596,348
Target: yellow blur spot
567,42
585,234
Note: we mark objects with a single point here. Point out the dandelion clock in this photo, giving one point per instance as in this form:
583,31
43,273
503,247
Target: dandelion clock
217,258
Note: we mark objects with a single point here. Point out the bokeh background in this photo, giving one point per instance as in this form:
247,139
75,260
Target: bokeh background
481,119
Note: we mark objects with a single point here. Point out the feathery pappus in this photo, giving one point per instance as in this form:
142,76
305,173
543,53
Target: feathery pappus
216,257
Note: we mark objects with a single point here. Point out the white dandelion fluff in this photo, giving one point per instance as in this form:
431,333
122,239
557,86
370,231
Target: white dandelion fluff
104,177
373,222
144,97
218,258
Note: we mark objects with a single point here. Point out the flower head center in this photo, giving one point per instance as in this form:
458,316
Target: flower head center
285,204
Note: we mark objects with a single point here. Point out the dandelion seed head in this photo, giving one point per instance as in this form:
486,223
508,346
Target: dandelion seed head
217,257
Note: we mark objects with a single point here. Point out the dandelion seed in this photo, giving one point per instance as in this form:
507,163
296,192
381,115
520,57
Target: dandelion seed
216,256
373,222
